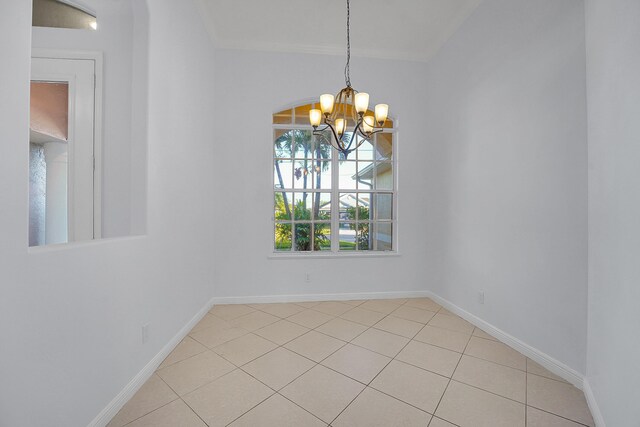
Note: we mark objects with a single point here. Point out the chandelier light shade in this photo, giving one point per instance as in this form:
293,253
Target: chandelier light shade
348,108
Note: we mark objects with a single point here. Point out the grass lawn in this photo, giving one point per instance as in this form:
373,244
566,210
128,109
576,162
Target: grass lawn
324,245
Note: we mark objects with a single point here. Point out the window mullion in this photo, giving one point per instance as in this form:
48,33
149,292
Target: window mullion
335,202
293,189
373,197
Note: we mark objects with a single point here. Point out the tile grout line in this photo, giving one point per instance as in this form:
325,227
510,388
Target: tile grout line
312,329
559,416
348,342
391,360
368,384
496,363
449,422
186,358
489,391
376,376
183,401
150,412
345,342
365,387
526,392
274,390
285,397
450,379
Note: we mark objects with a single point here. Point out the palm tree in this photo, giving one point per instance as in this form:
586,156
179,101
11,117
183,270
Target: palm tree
305,139
309,144
283,143
323,160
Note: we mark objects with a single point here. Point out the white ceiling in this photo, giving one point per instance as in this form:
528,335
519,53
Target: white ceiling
400,29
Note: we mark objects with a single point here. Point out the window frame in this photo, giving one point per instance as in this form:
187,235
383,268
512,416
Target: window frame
335,191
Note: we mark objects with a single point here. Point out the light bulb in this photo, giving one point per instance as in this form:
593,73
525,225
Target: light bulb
315,116
340,124
326,103
93,25
382,110
368,123
362,102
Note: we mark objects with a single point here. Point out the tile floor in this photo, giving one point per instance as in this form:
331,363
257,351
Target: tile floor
401,362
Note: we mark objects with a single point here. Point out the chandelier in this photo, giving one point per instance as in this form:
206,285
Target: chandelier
348,108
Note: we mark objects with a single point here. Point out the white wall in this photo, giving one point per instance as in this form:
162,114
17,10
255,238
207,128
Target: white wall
506,169
71,316
115,39
493,197
250,86
613,59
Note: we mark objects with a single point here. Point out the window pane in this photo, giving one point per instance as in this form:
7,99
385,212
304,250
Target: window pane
282,143
282,117
365,151
304,144
302,113
362,237
384,236
303,237
384,146
283,237
282,206
322,206
303,204
37,194
322,173
322,145
384,206
384,176
347,206
282,174
347,171
303,174
322,236
365,175
364,202
57,14
323,140
347,236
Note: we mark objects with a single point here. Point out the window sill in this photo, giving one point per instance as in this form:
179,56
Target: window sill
301,255
82,244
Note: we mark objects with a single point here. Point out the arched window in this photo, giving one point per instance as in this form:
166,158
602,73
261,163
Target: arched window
324,202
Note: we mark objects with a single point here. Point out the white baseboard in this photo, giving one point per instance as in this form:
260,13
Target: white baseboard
598,419
553,365
110,411
319,297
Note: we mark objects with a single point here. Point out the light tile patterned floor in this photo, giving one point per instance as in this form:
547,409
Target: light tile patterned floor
350,363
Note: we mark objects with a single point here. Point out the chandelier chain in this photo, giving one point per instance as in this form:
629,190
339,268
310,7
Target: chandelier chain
347,71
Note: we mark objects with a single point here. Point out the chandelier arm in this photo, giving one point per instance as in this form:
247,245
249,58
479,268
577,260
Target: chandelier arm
335,136
362,140
368,135
353,136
